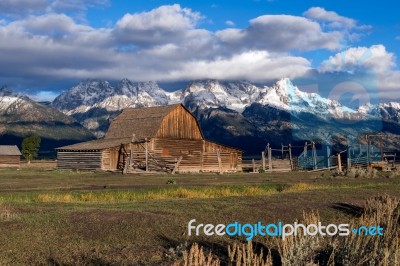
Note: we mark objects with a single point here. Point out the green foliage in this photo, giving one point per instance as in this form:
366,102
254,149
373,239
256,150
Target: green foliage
30,147
171,181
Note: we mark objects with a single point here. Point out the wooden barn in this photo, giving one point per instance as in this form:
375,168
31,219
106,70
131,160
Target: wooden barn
9,156
165,138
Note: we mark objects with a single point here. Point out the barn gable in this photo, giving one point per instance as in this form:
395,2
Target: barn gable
171,121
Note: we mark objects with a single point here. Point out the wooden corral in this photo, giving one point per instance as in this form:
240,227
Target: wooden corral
166,138
9,156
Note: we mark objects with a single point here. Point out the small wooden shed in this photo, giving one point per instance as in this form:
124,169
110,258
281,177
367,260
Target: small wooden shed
164,138
10,156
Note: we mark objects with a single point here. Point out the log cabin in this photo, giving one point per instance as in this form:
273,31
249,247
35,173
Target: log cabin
9,156
163,138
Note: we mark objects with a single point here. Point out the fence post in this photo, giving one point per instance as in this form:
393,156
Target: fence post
328,155
314,153
269,158
339,159
263,160
348,158
147,155
290,156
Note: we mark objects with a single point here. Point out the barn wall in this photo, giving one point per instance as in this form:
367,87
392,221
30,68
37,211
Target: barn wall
231,159
190,150
9,160
88,160
197,155
179,124
109,158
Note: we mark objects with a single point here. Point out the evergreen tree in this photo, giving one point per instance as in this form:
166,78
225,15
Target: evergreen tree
30,147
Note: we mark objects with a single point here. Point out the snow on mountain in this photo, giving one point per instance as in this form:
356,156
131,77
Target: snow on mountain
20,116
11,101
285,96
213,93
93,94
92,101
96,94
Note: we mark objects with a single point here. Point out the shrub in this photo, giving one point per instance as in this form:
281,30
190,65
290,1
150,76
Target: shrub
171,181
372,250
361,173
300,249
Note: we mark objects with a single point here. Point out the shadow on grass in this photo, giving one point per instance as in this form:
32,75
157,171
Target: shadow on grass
348,208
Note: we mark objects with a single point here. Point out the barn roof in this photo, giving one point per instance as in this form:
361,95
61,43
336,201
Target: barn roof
98,144
9,150
143,122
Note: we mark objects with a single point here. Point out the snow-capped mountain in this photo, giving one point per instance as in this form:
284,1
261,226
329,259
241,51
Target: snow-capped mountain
93,102
93,94
232,109
214,94
282,95
20,116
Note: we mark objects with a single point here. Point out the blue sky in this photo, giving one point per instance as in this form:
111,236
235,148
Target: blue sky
46,46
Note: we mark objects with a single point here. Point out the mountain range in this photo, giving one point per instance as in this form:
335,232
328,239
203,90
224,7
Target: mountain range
21,117
236,113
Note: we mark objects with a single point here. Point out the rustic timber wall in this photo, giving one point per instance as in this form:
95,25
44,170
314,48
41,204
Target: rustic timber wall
197,155
231,158
9,160
88,160
179,124
109,158
190,150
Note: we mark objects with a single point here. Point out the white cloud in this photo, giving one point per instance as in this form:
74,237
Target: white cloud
375,60
164,44
334,20
26,8
230,23
251,65
161,25
22,8
281,33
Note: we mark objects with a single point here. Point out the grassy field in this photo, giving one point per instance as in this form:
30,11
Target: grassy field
50,217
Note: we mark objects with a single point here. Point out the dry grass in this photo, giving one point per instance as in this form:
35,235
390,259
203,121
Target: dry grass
170,193
362,173
196,257
318,250
7,213
373,250
244,255
300,249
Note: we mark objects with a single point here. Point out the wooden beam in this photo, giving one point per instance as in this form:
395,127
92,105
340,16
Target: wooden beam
147,155
269,158
263,160
177,165
339,158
